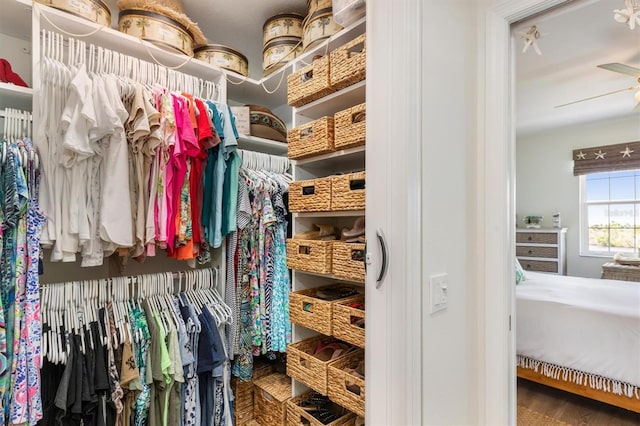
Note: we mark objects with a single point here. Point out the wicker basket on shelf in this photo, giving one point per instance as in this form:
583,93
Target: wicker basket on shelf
311,139
312,195
348,191
305,367
348,63
307,310
350,127
348,261
271,394
345,388
297,416
345,321
309,83
309,255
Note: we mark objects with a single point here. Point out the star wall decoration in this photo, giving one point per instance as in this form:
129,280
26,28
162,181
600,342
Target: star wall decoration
627,152
600,155
582,156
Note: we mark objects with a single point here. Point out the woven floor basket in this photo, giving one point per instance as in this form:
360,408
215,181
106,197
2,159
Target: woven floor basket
243,393
303,366
309,83
346,193
311,139
310,195
316,314
613,271
342,316
348,63
348,261
296,416
350,127
343,387
309,255
271,394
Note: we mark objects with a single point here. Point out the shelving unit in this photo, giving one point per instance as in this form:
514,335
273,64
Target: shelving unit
12,96
268,146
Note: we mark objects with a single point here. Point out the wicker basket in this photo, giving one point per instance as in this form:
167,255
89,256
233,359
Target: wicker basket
343,316
309,83
348,191
348,63
270,398
309,255
316,314
615,271
344,388
350,127
243,393
303,366
296,416
311,139
310,195
348,261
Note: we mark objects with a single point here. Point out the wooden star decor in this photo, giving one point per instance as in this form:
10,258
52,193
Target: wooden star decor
607,158
581,156
600,155
627,152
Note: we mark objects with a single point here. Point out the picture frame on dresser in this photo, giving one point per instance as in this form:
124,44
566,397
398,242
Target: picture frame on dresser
542,249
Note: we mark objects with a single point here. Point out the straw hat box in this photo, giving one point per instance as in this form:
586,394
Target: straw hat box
162,22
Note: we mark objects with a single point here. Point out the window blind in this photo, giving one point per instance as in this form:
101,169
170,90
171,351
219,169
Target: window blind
607,158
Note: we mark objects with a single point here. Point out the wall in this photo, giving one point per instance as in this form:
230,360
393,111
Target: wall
17,52
545,183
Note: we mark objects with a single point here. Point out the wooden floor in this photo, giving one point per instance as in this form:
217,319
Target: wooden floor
572,409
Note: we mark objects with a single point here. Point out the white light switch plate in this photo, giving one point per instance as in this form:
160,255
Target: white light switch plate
438,292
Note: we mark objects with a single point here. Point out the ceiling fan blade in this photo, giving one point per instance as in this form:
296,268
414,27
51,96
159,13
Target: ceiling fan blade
621,68
637,108
600,96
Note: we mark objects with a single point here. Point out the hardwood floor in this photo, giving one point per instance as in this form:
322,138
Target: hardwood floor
572,409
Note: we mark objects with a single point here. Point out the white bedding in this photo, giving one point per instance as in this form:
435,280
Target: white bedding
586,324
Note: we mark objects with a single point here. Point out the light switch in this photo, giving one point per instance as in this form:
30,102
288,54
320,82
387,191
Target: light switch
438,292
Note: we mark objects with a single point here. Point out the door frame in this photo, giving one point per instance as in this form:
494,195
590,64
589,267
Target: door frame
496,167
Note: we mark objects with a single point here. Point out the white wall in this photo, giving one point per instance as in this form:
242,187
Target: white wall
545,183
18,53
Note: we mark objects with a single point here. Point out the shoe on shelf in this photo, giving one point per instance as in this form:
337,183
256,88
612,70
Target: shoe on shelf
322,232
355,231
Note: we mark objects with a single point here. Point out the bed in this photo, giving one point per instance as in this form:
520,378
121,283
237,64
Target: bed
581,335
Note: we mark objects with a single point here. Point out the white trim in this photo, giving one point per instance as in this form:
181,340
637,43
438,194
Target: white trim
497,228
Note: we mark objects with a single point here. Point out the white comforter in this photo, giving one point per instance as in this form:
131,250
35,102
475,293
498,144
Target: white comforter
586,324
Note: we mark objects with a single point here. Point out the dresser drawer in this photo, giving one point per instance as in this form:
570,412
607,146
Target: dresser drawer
533,251
539,265
537,237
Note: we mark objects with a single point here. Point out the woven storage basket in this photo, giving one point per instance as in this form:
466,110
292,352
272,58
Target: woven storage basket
348,191
303,366
615,271
309,255
343,327
270,398
243,393
350,127
296,416
309,83
348,261
310,195
348,63
344,388
316,314
311,139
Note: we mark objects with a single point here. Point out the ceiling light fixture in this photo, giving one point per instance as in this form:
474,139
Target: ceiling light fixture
630,14
531,39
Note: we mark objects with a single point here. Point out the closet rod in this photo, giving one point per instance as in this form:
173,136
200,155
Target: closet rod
175,275
3,114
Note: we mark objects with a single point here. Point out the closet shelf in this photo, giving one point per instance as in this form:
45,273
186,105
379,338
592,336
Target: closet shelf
340,213
122,43
251,90
12,96
335,102
268,146
351,159
329,276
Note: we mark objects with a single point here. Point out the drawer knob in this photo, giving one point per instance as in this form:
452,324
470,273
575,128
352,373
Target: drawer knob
528,266
530,251
529,238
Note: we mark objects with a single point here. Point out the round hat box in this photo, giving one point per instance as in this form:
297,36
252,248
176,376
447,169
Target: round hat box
280,51
266,125
93,10
318,27
156,28
224,57
282,25
314,5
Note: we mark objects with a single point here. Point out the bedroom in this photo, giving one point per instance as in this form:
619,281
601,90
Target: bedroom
573,40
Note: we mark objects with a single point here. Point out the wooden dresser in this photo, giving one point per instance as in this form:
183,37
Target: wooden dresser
542,250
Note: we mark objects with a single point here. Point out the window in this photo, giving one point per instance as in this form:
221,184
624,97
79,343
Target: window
610,213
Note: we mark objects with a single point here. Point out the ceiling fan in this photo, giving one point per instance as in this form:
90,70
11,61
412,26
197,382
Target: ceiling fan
620,68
